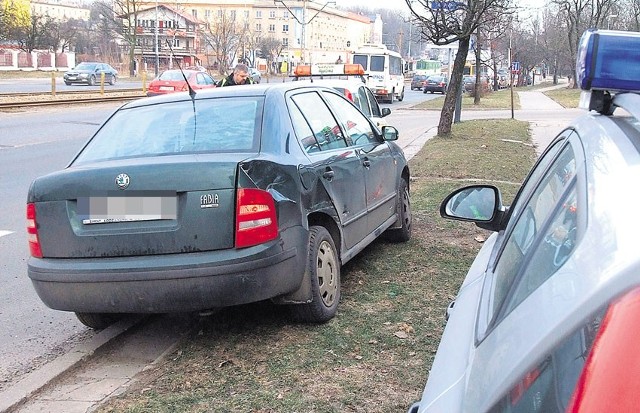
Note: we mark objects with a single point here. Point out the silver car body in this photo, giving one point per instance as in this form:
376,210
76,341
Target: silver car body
480,361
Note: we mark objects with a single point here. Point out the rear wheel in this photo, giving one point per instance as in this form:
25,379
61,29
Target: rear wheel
402,234
92,80
390,97
401,97
67,83
323,267
98,321
113,80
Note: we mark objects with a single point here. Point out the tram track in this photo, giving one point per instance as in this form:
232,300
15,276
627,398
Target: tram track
39,99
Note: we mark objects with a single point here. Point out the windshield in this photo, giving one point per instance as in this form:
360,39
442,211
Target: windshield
86,66
204,126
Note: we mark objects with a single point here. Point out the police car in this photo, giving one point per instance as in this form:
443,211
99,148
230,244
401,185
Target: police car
546,319
348,79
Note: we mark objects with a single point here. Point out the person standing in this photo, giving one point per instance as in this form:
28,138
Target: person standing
239,76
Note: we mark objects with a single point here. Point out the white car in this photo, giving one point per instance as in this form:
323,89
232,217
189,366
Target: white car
546,319
348,80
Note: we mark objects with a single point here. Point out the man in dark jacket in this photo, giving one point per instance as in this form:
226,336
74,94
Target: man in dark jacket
240,76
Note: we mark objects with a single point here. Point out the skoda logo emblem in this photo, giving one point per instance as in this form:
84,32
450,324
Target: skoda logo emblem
122,181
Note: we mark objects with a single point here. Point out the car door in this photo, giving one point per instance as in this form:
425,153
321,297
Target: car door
380,167
333,160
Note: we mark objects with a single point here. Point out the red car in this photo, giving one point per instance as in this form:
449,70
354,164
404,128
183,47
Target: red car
171,81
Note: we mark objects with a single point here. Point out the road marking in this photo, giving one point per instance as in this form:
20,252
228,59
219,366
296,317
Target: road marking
3,233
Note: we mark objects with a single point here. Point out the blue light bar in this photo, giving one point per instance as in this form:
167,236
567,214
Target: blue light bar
609,60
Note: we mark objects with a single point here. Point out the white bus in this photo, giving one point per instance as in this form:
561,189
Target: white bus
383,68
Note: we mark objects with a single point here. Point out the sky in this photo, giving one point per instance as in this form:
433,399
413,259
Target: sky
374,4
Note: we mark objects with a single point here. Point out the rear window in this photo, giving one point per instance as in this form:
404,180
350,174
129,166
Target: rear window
204,126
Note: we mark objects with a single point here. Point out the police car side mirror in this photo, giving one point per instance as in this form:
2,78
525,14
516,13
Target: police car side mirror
389,133
480,204
386,112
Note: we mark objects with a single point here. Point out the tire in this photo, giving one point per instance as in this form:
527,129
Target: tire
67,83
401,97
92,81
424,91
113,80
323,266
98,321
402,234
393,92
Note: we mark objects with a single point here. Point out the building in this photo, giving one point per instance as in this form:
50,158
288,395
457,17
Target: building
306,31
60,10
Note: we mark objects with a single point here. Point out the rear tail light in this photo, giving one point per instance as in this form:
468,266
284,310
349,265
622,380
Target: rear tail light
32,232
256,220
521,387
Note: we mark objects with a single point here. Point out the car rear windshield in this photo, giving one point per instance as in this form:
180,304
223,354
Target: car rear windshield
202,126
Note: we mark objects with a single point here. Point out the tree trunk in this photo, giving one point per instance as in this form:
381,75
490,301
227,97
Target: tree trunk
455,83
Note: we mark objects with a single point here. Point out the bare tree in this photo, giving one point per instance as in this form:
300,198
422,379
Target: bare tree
270,49
223,35
121,16
580,15
35,36
447,22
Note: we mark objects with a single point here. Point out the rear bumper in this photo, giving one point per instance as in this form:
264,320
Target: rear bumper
172,283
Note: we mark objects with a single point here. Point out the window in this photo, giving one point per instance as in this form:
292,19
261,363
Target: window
233,15
272,14
220,13
285,14
272,28
325,131
377,63
354,123
214,125
246,14
285,42
258,27
258,14
543,234
285,28
194,13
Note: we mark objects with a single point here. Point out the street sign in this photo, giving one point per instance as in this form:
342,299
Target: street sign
446,5
515,67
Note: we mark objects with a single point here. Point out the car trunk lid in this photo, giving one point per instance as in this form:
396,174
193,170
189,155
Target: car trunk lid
160,205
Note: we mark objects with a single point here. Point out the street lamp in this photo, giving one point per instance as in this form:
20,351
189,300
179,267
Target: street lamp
609,18
304,22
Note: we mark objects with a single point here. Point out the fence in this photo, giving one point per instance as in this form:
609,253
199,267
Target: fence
11,59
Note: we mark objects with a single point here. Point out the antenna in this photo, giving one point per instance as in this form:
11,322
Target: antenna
192,92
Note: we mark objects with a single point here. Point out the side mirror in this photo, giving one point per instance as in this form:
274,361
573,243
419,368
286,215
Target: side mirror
386,112
481,204
389,133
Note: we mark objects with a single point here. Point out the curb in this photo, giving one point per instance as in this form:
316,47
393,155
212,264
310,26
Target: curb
36,380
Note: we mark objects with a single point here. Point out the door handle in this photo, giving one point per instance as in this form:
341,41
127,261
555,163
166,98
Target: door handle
328,175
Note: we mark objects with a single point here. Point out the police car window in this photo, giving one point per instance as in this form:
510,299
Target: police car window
363,102
530,225
324,126
355,124
375,108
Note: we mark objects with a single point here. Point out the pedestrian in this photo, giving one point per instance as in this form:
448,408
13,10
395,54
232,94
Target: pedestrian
239,76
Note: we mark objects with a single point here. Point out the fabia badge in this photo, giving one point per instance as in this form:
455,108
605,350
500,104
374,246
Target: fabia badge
122,181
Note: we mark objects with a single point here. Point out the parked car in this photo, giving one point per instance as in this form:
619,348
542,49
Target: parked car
184,203
91,73
418,81
348,80
469,82
172,80
546,319
435,83
255,75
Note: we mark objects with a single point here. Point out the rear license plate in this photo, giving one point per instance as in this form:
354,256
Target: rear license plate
111,209
166,88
